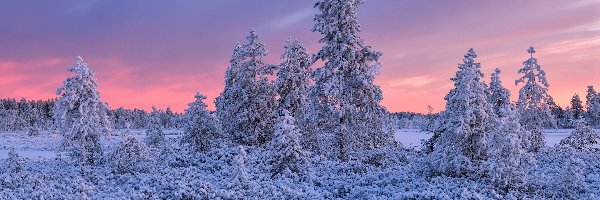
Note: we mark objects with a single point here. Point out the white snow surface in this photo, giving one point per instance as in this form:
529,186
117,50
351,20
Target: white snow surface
387,173
411,138
43,146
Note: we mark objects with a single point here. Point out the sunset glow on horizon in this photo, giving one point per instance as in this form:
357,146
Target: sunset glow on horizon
147,53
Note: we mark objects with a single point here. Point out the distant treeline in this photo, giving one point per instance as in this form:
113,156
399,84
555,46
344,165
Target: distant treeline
25,115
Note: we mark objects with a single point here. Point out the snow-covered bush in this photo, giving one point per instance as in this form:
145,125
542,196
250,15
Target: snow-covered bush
241,183
14,162
201,129
285,151
33,129
81,115
582,138
130,156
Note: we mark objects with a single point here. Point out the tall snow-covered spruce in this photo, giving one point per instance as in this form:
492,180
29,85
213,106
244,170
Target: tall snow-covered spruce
534,101
293,79
201,129
80,115
466,123
347,113
245,107
506,144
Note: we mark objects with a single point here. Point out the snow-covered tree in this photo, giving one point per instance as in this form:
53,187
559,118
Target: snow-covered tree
245,107
14,162
201,129
534,101
592,101
507,146
130,156
241,179
285,151
582,138
577,107
155,137
293,79
467,121
346,109
80,114
498,95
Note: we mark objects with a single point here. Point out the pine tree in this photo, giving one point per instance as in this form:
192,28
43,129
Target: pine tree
534,101
577,107
81,115
155,137
592,102
466,122
347,113
245,107
201,128
130,156
285,150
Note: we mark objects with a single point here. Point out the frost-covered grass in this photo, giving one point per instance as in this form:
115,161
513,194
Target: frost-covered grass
175,173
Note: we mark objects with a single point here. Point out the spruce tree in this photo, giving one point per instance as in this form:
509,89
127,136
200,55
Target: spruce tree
347,113
245,107
155,137
498,95
466,123
81,115
241,179
201,129
506,146
592,103
577,107
534,101
285,151
293,79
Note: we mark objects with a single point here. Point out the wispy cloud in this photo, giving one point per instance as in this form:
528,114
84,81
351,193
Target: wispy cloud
293,18
415,81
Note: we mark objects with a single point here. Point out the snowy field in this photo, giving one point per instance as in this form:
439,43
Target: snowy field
43,146
390,173
411,138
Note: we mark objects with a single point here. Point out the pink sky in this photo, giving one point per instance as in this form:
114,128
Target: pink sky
147,53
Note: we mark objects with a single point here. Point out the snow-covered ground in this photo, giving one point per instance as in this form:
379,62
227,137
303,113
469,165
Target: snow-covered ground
389,173
43,146
411,138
